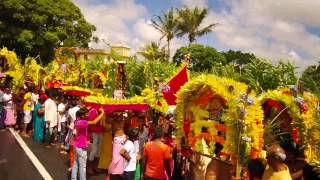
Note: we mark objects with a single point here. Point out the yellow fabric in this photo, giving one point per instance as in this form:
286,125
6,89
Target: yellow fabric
201,162
28,103
106,148
269,174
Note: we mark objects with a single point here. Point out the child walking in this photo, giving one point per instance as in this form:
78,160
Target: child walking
130,153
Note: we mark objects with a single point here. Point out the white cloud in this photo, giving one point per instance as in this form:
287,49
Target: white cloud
145,33
143,29
122,22
195,3
271,29
111,20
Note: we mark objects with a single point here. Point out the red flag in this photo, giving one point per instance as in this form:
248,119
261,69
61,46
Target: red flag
174,85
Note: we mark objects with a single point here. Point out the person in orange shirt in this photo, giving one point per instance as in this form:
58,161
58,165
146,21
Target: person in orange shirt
132,120
157,157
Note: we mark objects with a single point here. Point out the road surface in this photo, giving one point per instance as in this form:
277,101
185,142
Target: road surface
15,164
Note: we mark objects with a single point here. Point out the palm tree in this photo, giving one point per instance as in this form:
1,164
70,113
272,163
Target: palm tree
167,25
189,21
153,52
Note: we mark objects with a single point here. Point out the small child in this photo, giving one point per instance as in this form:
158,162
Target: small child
130,153
62,125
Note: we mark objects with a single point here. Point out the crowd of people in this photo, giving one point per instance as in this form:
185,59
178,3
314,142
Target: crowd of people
125,144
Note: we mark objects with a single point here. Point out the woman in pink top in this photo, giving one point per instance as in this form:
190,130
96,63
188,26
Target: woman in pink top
9,106
80,142
116,167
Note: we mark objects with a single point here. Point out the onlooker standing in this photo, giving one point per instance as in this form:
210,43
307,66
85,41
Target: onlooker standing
62,123
143,133
130,153
116,167
80,145
80,142
34,100
27,107
72,112
39,123
71,119
156,157
9,108
35,96
97,133
276,168
51,118
2,112
19,105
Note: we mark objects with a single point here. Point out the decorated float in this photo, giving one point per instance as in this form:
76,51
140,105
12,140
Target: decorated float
16,75
292,120
219,117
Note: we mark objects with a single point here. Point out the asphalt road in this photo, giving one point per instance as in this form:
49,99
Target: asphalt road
16,165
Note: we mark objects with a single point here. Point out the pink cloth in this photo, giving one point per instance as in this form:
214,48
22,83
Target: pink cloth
117,162
169,141
10,119
80,139
109,108
96,128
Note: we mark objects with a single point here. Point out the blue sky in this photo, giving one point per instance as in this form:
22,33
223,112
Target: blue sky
274,30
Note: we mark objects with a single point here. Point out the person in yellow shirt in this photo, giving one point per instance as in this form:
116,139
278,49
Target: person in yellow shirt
27,107
276,169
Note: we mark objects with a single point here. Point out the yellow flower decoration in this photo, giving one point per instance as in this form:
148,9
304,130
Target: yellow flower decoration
230,92
106,100
305,121
20,72
11,57
155,100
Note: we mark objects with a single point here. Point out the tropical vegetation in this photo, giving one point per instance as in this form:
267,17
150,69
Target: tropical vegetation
167,25
190,21
35,28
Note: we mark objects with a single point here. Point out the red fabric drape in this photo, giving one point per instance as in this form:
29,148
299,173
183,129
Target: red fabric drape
174,85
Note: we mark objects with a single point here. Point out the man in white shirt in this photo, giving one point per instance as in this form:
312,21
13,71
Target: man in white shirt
72,112
51,118
35,96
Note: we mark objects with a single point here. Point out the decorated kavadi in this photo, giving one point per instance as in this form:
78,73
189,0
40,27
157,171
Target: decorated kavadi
223,111
297,114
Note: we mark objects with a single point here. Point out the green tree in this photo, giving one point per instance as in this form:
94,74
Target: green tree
37,27
189,22
143,74
152,52
167,26
136,78
238,57
311,79
229,70
260,74
202,58
286,72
